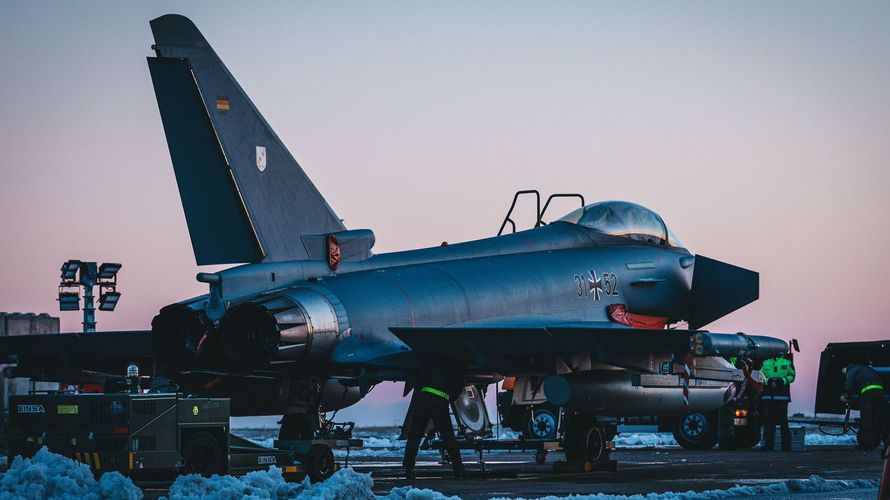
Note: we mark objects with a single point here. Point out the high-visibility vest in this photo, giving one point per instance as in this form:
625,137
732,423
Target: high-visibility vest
780,368
871,388
435,392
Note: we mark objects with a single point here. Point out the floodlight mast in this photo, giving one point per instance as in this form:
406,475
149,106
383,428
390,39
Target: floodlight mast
86,275
89,310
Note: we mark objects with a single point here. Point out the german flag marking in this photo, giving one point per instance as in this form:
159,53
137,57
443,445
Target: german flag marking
222,103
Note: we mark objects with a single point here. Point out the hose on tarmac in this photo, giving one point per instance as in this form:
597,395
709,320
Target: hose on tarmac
846,426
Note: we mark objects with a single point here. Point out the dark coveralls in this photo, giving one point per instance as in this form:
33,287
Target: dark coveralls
430,401
779,373
866,382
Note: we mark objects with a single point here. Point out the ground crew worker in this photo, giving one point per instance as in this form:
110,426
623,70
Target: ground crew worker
779,374
430,401
865,382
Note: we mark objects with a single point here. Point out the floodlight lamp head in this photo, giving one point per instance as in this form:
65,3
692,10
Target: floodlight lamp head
69,270
108,300
108,270
69,301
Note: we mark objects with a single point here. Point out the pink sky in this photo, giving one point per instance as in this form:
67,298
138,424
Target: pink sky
758,131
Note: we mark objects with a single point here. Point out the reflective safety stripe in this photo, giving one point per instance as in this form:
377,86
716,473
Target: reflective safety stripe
96,460
435,392
771,397
870,387
131,460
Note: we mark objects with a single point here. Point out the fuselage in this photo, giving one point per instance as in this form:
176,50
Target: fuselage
317,320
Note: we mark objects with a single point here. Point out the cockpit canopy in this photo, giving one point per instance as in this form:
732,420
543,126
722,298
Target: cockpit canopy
622,218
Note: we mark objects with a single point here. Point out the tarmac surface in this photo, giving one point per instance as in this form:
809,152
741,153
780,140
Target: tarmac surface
639,471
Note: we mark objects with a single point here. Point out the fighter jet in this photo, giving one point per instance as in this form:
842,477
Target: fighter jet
583,310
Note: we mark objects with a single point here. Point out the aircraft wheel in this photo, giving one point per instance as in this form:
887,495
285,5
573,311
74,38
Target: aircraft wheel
320,463
542,424
696,431
585,441
202,455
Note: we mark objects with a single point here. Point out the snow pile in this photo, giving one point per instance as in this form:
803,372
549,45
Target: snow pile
645,440
345,484
814,484
666,440
48,475
376,453
387,442
409,493
818,439
504,433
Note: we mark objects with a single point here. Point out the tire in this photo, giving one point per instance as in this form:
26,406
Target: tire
202,455
585,441
696,431
541,457
542,424
320,463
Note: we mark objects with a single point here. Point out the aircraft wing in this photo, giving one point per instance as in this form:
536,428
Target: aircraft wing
448,342
497,347
69,356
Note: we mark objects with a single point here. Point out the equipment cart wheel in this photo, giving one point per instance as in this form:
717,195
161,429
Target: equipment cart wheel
585,441
542,424
696,431
202,455
541,457
320,463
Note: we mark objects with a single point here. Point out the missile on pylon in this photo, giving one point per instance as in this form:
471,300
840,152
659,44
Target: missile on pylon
753,347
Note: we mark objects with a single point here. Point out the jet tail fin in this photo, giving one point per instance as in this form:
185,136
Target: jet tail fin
245,197
718,289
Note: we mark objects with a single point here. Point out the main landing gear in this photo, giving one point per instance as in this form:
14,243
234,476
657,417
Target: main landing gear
587,440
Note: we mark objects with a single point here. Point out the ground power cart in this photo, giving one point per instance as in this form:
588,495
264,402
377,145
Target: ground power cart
152,435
